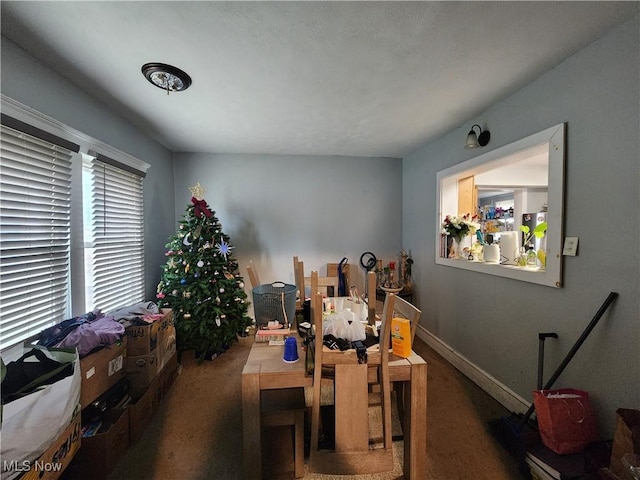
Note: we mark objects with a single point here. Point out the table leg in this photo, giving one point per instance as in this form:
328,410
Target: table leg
415,423
252,445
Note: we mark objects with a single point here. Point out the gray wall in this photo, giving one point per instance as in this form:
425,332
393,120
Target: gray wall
494,322
318,208
325,208
31,83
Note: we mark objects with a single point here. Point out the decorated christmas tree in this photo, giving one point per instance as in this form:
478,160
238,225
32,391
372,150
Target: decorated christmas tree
201,283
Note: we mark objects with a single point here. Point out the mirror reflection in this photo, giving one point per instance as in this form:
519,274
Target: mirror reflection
508,209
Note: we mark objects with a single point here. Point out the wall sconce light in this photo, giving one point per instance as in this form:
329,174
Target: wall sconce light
166,77
480,140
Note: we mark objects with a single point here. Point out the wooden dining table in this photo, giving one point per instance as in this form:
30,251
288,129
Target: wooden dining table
265,369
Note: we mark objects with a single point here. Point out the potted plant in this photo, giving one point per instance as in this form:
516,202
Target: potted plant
530,257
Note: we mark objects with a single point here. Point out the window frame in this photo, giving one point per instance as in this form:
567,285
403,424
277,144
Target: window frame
36,229
554,140
107,247
87,145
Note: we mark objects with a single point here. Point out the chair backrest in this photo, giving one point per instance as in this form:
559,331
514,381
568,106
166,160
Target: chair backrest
322,284
298,275
404,309
253,275
352,453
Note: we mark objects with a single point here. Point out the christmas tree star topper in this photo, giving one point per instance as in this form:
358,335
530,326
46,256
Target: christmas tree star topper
197,198
197,191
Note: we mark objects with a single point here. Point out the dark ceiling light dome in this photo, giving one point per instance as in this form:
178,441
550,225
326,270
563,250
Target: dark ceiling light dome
166,77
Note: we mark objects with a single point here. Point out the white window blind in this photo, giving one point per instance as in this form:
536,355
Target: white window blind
35,223
114,235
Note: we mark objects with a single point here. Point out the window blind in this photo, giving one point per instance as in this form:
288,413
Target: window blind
35,225
114,236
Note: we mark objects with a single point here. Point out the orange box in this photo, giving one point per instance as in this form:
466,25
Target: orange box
401,337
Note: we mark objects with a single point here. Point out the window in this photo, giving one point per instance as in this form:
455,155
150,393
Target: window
71,225
113,234
35,229
530,169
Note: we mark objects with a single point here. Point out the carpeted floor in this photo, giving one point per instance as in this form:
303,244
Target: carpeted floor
197,432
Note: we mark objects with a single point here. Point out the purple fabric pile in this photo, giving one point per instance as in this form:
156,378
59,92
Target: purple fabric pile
93,330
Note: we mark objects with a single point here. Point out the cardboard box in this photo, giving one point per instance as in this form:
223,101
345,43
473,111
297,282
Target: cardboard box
141,370
142,339
142,411
100,453
166,339
51,464
101,370
168,375
626,439
401,337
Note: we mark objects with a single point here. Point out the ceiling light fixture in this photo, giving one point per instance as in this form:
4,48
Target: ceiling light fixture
166,77
480,140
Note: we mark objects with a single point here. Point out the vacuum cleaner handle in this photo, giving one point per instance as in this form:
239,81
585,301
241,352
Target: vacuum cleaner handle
541,338
612,296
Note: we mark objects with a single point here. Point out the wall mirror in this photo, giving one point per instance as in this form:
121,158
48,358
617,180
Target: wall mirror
518,184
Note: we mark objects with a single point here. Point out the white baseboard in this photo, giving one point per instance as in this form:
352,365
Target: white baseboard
507,397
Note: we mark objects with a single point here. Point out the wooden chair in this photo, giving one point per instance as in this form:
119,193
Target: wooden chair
322,285
298,275
332,271
404,309
352,453
286,407
253,275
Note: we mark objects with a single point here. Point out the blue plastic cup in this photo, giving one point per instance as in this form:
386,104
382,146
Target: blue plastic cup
290,350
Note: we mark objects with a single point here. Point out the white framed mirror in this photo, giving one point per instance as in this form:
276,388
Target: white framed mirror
518,184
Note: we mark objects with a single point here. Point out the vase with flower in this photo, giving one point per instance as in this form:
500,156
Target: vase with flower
528,256
458,228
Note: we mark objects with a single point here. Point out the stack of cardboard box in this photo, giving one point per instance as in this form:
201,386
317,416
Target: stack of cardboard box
101,371
151,370
147,358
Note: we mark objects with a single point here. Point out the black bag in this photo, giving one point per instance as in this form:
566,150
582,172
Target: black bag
24,377
342,281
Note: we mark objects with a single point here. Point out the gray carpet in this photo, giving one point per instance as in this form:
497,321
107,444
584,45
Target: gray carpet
197,431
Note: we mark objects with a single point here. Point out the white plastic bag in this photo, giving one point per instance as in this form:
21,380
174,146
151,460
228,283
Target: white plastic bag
358,307
32,423
346,325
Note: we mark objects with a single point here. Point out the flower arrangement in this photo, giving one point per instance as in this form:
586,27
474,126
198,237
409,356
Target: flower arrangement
459,227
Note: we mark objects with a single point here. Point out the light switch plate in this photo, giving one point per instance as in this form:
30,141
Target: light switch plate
570,246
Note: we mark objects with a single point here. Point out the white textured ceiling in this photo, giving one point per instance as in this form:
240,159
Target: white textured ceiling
320,78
